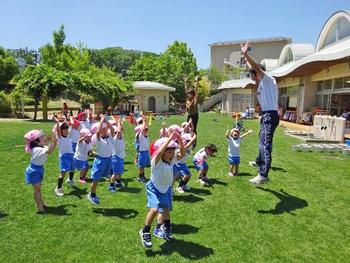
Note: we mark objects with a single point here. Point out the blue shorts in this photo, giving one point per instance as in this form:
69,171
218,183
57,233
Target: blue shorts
183,169
67,162
81,165
74,146
34,174
175,170
102,167
117,165
233,160
143,159
155,199
201,166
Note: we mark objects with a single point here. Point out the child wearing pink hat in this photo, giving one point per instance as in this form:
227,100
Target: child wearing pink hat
159,192
35,144
200,162
83,150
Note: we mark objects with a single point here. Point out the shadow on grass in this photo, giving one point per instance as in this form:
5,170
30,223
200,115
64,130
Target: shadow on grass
117,212
278,169
132,190
128,162
199,191
60,210
214,181
187,198
184,229
3,215
77,192
287,203
245,174
185,249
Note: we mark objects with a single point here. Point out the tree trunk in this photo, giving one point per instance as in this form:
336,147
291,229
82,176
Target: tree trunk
36,105
44,105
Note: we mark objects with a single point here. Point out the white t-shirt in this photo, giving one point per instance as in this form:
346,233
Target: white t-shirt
86,124
268,93
119,147
143,143
74,134
184,159
82,150
64,145
233,146
39,155
104,146
201,155
162,175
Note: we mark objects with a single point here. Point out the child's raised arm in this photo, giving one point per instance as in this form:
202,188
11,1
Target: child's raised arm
182,148
227,135
245,134
98,133
52,144
189,144
162,149
58,128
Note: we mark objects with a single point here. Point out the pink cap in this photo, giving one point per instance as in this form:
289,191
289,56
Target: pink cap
174,127
93,139
31,136
138,120
85,132
112,122
94,127
163,132
158,143
138,128
186,137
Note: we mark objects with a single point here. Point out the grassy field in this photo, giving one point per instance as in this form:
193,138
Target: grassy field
302,215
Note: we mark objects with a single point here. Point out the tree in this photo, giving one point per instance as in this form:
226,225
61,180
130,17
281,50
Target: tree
8,67
215,77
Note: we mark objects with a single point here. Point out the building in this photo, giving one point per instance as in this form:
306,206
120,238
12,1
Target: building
152,96
227,54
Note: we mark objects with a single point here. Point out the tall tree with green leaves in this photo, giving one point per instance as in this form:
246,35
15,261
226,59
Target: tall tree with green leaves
8,68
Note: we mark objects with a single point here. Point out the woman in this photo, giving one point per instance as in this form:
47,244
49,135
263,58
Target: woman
65,109
192,106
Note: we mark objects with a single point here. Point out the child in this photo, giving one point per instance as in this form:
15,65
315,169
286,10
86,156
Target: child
187,127
83,149
200,162
143,143
102,163
185,173
66,155
159,193
35,144
117,158
234,141
74,135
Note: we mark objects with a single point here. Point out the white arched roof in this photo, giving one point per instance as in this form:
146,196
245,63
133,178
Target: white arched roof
294,52
148,85
336,28
237,84
269,64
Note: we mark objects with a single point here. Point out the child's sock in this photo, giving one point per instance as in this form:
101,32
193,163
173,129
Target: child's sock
59,182
158,226
167,224
93,194
111,184
183,182
71,174
146,229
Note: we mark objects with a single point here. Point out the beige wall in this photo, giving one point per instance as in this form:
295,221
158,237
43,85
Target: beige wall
259,52
287,82
336,71
227,98
143,95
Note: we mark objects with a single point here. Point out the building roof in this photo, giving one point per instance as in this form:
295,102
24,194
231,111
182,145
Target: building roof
256,40
270,64
148,85
237,84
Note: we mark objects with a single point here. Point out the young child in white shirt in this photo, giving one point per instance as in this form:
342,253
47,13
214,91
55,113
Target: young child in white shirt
200,162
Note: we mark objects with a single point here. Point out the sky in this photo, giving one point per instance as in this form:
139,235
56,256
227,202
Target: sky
151,25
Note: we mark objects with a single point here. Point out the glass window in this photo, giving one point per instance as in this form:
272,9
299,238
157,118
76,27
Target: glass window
347,83
338,83
319,100
331,36
320,85
328,84
164,99
343,28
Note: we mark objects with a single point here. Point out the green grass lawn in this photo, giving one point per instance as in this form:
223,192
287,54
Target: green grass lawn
302,215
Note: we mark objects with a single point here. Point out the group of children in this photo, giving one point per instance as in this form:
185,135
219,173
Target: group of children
79,138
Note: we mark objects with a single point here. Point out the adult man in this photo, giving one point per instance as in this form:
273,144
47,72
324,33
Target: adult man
268,98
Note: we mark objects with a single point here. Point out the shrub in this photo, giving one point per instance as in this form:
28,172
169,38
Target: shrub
5,104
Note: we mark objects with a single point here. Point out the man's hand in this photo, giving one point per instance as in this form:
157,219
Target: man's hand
245,48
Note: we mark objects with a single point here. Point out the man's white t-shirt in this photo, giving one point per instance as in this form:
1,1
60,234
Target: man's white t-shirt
268,93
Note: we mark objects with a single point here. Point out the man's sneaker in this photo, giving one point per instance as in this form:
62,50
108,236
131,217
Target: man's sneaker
82,180
186,187
145,238
119,185
71,183
142,179
168,233
180,190
95,200
112,189
259,180
230,174
158,232
252,164
59,192
201,181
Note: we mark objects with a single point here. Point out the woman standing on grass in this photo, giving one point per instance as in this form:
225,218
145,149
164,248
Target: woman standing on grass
192,106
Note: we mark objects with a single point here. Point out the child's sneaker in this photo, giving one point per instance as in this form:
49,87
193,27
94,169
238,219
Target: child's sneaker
145,238
252,163
230,174
112,189
180,190
142,179
59,192
168,233
70,183
186,187
119,185
95,200
158,232
82,180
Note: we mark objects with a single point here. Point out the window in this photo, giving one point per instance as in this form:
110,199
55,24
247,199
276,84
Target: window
338,83
320,85
340,29
164,99
328,84
347,83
